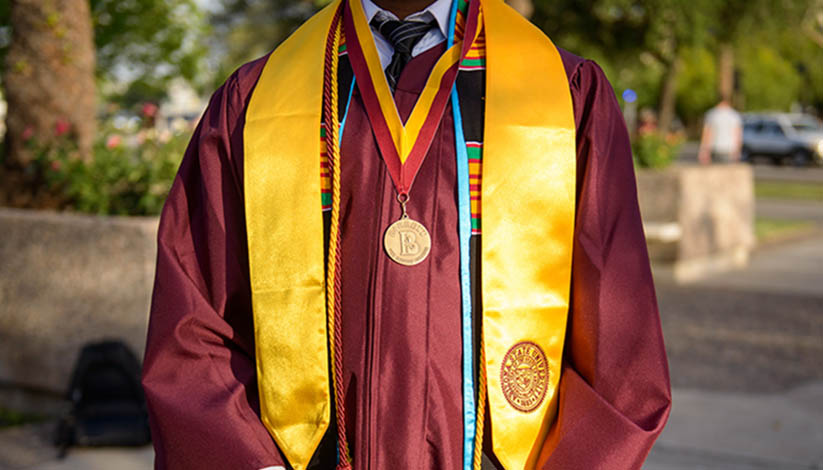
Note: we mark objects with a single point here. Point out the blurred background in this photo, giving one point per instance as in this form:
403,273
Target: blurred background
98,99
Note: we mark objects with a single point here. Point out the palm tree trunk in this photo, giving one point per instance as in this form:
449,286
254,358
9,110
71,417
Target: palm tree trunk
726,71
49,85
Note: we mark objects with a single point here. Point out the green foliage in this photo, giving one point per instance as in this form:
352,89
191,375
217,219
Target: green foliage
789,191
766,230
120,179
15,418
247,29
636,41
143,44
781,67
697,84
770,81
653,150
643,79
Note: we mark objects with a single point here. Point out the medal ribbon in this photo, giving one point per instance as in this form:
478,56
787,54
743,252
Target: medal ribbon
403,146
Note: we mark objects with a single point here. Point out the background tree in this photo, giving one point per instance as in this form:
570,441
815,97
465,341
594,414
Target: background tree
680,56
244,30
144,44
140,45
49,84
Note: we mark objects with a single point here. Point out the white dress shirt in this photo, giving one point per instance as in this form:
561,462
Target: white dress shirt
438,11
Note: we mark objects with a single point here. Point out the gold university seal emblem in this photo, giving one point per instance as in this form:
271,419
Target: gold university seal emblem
524,376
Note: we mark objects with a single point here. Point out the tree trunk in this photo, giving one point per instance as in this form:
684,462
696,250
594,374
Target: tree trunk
524,7
668,96
725,71
50,88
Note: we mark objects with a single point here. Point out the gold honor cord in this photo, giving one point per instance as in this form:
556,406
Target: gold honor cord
477,462
528,220
333,284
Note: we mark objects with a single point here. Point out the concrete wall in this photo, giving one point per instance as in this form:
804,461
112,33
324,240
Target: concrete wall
69,279
66,280
710,209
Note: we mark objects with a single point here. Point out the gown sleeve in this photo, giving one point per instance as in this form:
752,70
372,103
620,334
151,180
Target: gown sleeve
199,368
614,395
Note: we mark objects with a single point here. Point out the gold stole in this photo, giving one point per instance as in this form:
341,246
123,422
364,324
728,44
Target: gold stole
528,223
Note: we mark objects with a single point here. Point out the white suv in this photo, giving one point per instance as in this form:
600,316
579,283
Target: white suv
793,138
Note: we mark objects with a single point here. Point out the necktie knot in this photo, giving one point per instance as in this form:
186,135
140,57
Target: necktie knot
403,35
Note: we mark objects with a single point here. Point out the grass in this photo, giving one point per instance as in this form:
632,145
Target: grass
789,190
10,418
771,229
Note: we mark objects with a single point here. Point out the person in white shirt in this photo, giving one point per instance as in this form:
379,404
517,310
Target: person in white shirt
722,137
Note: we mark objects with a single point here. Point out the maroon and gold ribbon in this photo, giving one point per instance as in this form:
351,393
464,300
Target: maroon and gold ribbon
403,146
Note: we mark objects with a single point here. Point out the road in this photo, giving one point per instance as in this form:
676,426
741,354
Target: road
763,171
745,350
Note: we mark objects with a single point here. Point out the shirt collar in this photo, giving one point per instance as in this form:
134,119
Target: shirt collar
440,11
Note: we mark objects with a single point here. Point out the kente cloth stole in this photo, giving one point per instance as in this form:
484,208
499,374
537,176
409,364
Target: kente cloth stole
470,87
528,218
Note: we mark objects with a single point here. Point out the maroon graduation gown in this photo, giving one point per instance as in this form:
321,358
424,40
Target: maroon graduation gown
401,326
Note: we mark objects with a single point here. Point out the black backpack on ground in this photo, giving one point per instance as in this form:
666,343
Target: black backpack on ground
108,405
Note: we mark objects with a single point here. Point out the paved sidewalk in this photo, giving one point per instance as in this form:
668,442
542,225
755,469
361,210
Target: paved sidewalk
792,268
706,431
102,459
734,431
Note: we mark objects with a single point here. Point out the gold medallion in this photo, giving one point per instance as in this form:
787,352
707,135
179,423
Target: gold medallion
407,242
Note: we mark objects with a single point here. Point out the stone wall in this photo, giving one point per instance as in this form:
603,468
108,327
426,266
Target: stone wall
66,280
708,210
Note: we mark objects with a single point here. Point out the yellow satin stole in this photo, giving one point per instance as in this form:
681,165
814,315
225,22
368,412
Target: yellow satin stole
528,222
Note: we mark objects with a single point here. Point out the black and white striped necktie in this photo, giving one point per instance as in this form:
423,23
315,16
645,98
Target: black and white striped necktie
403,35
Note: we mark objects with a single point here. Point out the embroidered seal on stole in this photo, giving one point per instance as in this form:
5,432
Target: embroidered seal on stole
524,376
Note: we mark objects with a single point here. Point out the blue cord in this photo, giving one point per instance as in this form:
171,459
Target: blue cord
464,233
346,114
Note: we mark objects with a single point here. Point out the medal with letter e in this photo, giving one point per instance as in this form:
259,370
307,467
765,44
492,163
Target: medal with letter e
407,241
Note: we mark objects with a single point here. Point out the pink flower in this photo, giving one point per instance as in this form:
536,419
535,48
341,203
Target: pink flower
28,133
149,109
62,127
113,142
56,165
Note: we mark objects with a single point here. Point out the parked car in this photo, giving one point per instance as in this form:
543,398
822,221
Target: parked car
783,138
